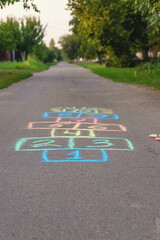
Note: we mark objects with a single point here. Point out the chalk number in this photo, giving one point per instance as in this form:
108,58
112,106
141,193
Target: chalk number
76,156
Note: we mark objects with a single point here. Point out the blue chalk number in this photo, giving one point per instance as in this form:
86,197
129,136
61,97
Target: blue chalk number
76,156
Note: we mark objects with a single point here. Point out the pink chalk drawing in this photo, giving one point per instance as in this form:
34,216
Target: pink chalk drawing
79,125
77,120
156,136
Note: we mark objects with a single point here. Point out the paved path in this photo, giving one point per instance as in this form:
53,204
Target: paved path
76,162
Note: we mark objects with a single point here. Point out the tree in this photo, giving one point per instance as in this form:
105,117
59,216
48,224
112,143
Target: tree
41,52
21,35
52,44
31,34
8,32
86,49
101,22
70,45
150,12
57,53
27,4
109,25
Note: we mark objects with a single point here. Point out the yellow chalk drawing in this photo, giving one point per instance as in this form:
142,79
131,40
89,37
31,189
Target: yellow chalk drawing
82,110
57,109
72,133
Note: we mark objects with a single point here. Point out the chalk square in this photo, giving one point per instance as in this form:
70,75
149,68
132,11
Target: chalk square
75,155
40,143
105,143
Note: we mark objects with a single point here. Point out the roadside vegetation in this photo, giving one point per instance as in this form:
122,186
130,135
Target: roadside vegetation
11,72
9,77
145,75
23,50
114,30
123,34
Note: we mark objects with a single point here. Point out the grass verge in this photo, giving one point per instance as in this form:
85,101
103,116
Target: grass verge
12,76
11,72
139,75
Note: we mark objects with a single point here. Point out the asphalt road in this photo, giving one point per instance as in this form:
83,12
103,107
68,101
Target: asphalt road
76,162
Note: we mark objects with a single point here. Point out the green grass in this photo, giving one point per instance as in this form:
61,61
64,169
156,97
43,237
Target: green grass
138,75
11,72
7,77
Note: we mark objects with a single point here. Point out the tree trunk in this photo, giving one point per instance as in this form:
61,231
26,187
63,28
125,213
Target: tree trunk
99,57
23,56
13,56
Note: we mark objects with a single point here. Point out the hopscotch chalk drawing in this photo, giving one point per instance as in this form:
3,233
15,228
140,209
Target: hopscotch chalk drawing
75,135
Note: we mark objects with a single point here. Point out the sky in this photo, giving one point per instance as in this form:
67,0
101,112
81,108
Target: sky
52,13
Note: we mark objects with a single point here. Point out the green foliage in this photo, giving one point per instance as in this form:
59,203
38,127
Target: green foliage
124,27
31,34
76,45
27,4
11,72
113,60
86,49
136,75
25,36
64,56
70,45
52,44
150,10
21,35
43,53
9,77
8,34
32,63
102,22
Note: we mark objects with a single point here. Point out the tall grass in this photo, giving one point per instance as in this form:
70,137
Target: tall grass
145,75
32,64
11,72
9,77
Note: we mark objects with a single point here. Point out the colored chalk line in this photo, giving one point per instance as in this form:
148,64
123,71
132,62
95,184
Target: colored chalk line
156,136
80,115
83,109
71,124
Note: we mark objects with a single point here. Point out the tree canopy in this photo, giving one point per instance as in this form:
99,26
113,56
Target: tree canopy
25,36
21,35
117,28
27,4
